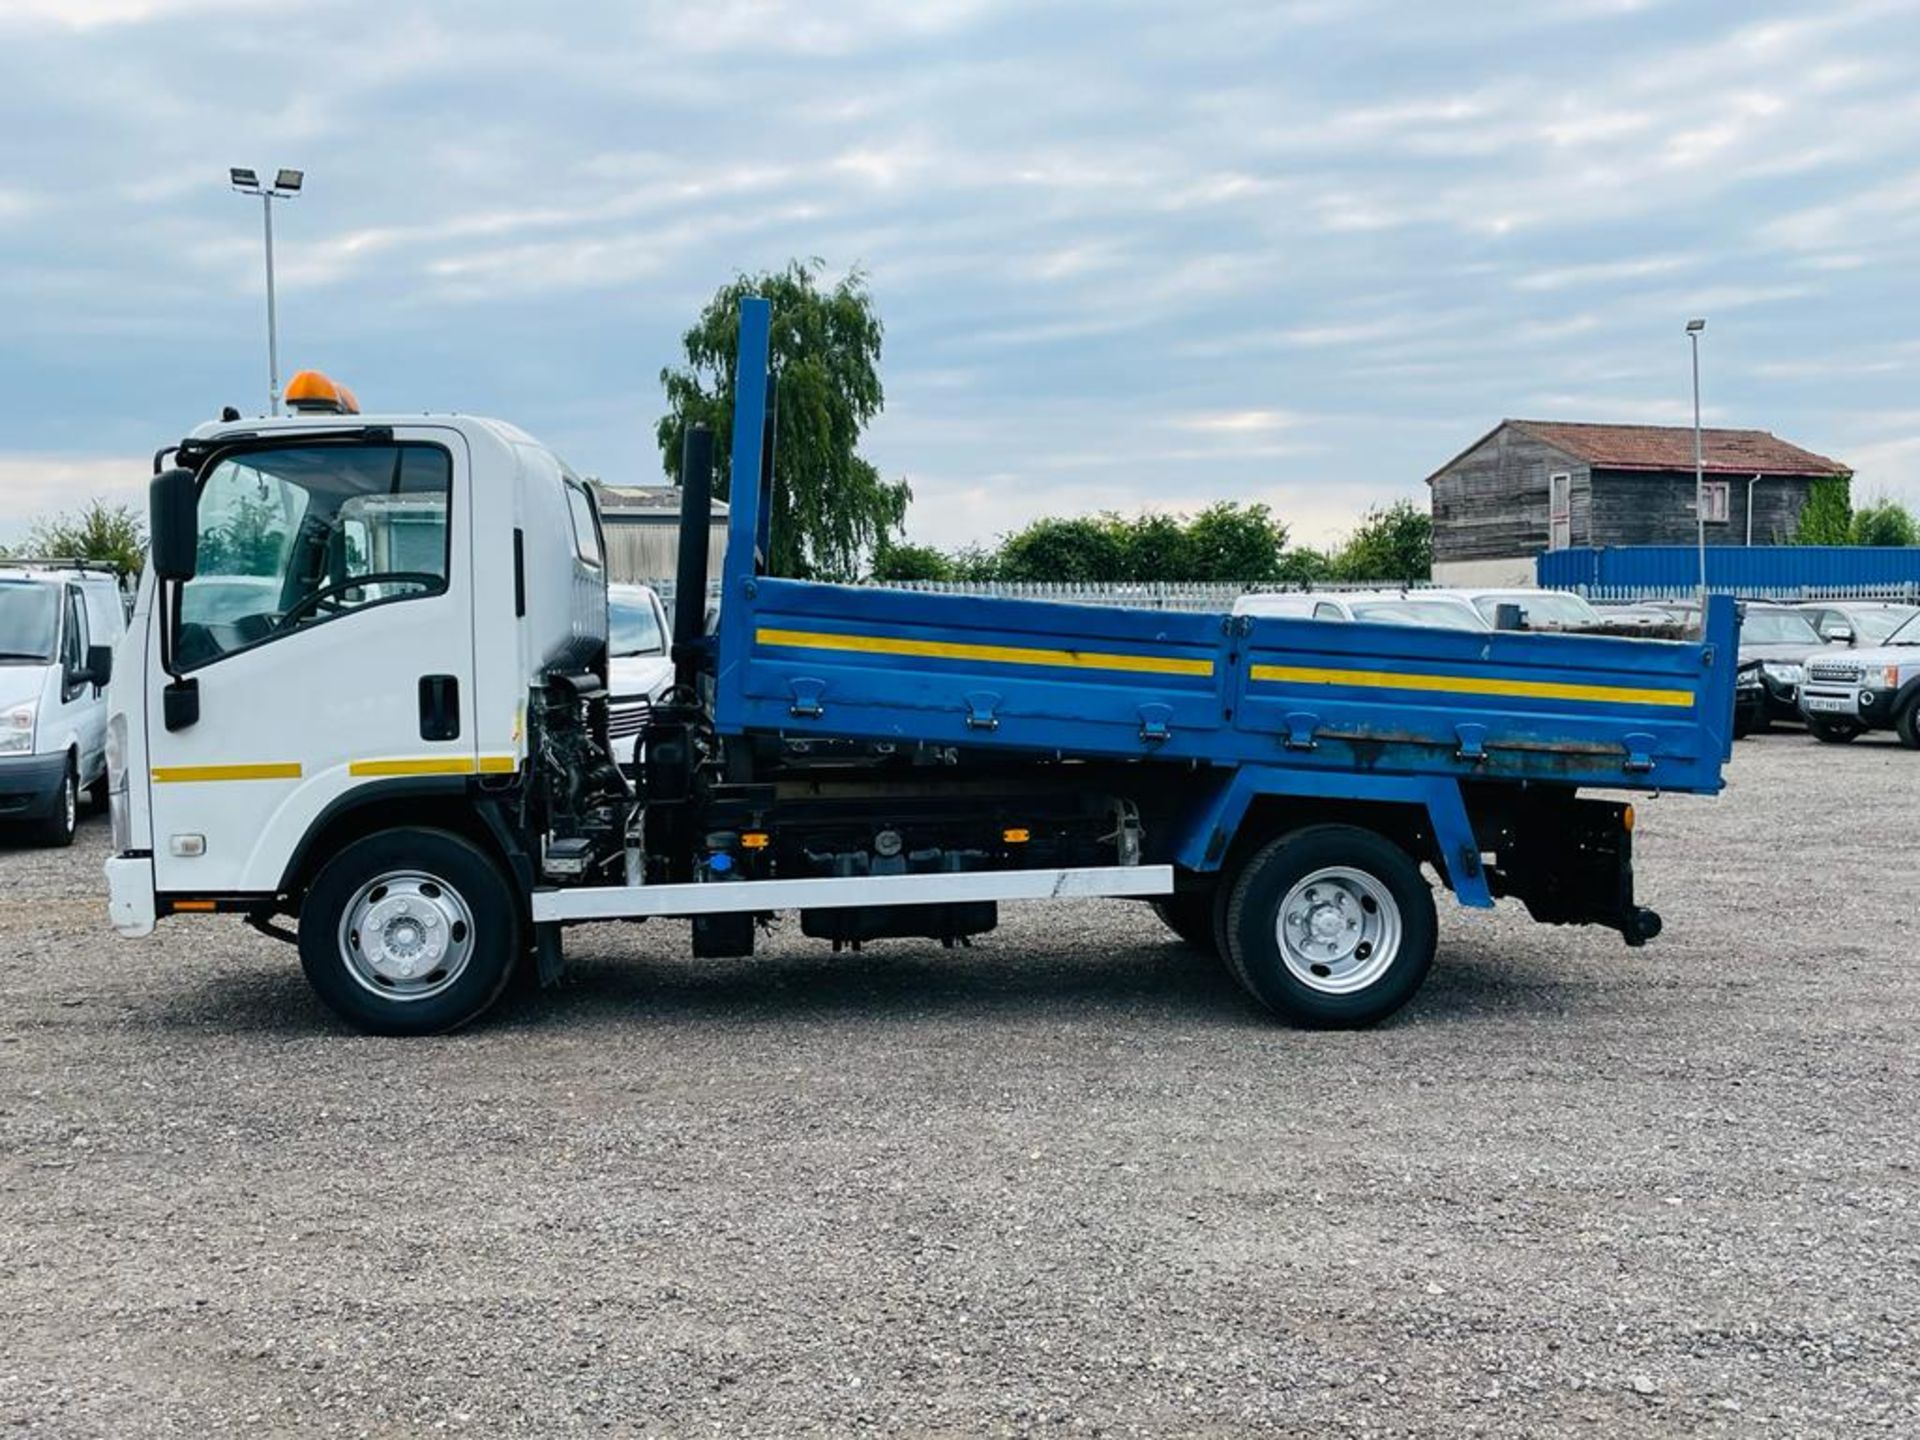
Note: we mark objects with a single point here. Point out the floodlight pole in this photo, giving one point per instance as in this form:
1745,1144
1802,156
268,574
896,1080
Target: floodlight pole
1694,327
273,330
286,184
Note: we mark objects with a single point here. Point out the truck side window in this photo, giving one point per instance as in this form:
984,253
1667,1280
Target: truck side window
296,537
1326,610
586,529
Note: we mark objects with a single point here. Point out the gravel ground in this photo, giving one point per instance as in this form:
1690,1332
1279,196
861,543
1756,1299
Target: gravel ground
1065,1182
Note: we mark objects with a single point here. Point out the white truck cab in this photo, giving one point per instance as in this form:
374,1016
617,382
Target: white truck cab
59,624
424,570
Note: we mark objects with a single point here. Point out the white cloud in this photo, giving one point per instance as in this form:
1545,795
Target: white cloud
37,486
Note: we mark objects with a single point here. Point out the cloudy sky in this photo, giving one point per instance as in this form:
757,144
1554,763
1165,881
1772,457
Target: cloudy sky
1128,254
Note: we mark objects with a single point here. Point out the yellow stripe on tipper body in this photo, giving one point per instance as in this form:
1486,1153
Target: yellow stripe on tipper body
190,774
994,654
1474,685
435,765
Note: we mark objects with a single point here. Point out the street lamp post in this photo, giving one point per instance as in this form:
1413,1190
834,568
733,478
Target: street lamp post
286,184
1694,327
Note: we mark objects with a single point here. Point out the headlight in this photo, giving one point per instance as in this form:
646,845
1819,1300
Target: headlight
16,729
1749,678
1785,673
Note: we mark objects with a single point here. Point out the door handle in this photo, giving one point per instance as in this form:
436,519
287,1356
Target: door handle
439,707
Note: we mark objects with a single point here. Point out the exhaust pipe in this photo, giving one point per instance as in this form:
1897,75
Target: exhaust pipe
690,573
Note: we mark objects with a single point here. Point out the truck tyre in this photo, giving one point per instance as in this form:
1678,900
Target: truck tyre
1331,927
409,932
1834,732
56,831
1190,914
1907,724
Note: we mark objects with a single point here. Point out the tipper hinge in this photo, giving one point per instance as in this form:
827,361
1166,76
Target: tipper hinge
1639,753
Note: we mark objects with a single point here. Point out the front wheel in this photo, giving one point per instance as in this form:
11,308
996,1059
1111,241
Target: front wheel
1907,724
409,932
1834,732
1331,927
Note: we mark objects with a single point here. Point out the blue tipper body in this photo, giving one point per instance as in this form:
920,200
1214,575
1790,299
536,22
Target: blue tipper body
1250,706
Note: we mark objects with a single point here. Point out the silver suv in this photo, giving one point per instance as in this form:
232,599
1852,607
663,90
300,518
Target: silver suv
1852,691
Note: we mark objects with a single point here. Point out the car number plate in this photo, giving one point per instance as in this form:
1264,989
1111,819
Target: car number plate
1830,702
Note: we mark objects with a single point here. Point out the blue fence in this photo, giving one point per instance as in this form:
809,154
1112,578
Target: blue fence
1732,569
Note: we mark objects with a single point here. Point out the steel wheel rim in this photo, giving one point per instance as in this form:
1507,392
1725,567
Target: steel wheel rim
406,935
1339,930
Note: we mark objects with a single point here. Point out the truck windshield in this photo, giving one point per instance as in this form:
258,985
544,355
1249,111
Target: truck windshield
1907,634
290,538
634,628
27,622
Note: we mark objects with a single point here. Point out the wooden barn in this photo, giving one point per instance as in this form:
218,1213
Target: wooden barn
1533,485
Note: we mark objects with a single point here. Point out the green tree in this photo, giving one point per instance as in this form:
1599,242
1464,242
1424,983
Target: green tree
1883,522
1156,547
1305,566
1230,541
1081,548
976,563
1827,517
831,507
910,562
1394,544
106,534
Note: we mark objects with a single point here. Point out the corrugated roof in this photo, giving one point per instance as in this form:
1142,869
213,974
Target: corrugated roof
1670,447
654,499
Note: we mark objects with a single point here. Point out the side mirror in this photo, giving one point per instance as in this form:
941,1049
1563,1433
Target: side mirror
1841,634
173,525
99,664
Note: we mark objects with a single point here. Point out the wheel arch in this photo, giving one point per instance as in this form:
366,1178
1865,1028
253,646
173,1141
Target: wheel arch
438,802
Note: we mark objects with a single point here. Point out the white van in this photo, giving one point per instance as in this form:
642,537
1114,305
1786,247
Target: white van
58,628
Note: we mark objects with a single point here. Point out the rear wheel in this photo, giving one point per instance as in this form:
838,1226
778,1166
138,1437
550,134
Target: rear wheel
1331,927
56,830
409,932
1834,732
1191,915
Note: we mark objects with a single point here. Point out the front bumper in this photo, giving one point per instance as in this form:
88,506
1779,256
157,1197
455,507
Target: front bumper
1870,709
1783,697
30,785
130,903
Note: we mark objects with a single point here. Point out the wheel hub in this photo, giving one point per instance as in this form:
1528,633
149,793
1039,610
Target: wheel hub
1339,930
407,935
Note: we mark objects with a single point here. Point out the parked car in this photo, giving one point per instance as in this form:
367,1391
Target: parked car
1875,688
639,665
1777,642
1382,607
1858,623
1538,609
58,628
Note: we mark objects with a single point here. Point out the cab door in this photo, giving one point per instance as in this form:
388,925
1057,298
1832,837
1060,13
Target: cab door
328,635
